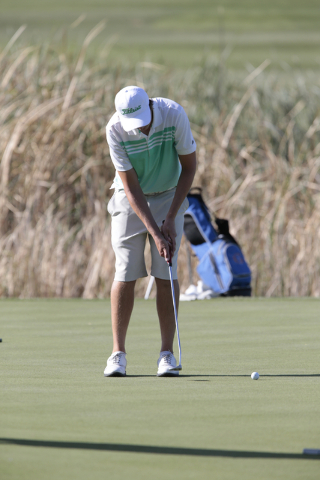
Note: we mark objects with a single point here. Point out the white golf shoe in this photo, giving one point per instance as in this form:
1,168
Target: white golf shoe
166,363
116,365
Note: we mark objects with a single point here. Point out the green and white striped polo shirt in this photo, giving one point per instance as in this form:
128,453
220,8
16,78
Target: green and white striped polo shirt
154,157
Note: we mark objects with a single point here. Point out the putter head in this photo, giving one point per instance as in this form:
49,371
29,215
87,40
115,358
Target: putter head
178,367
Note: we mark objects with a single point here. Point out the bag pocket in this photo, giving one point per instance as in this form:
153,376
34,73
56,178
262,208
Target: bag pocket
213,270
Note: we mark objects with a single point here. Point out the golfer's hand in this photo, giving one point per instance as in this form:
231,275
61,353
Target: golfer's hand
168,230
163,247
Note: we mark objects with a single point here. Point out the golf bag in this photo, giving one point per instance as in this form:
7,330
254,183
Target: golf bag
222,266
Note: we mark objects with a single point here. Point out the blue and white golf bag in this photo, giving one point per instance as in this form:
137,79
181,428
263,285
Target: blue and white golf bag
222,266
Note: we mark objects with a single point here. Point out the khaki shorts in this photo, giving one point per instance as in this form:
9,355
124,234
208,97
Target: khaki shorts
129,234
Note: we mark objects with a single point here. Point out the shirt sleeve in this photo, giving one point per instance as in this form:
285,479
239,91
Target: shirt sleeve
184,141
118,154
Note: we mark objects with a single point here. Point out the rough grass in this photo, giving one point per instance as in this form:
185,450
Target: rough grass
258,163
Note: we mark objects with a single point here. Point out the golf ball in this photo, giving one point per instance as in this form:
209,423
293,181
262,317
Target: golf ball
254,375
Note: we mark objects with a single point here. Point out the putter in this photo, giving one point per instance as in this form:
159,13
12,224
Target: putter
178,367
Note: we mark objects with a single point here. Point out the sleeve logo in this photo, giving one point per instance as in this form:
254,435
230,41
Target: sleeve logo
126,111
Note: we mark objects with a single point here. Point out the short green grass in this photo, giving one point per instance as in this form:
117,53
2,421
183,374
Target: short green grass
176,32
212,422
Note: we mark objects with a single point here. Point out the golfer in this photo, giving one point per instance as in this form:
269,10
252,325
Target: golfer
153,152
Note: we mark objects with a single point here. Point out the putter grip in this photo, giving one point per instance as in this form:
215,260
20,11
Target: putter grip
170,260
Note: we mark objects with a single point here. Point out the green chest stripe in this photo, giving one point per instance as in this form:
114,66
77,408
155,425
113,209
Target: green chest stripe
155,160
155,142
163,134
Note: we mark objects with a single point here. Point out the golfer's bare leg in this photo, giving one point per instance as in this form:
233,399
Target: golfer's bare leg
122,300
166,312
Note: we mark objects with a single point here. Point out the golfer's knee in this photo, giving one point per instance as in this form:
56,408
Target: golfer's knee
119,287
165,284
162,283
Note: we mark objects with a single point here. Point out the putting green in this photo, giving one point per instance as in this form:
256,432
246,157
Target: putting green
60,418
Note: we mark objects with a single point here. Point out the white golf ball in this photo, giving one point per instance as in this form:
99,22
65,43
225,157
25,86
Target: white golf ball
255,375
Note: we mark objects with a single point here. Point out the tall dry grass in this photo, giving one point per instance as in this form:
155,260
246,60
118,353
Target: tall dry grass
258,163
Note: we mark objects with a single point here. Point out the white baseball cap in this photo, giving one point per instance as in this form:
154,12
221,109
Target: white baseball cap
132,105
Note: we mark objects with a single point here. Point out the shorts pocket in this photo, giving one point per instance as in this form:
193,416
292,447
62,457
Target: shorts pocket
184,206
118,204
110,206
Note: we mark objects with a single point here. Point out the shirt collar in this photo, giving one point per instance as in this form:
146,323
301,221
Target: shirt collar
157,117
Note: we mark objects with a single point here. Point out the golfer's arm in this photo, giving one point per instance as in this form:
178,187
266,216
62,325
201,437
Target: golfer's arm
188,164
137,200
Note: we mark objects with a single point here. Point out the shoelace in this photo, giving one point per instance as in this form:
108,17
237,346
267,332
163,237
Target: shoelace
116,359
167,358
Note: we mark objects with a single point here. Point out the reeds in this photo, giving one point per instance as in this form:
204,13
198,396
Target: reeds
258,164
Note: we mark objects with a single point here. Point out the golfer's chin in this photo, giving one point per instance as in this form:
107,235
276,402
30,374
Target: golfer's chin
144,129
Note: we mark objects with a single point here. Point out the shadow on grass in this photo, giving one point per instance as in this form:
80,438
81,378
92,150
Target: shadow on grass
231,375
197,452
262,375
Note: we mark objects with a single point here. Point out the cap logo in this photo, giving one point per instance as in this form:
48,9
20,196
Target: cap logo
126,111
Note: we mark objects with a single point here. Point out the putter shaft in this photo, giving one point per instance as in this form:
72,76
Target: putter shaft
178,367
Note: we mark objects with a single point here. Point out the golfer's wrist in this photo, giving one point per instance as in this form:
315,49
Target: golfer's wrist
155,232
171,216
